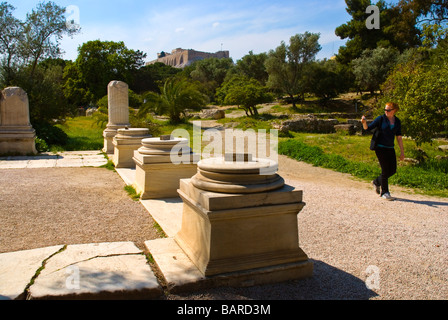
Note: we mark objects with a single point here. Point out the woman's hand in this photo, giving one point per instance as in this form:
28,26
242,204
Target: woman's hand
400,144
364,122
402,156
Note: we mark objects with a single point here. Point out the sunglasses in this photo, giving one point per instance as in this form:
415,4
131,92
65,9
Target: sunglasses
388,110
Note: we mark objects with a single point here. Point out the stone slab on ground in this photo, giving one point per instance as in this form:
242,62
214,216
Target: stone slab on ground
181,275
48,160
127,174
166,212
18,268
115,270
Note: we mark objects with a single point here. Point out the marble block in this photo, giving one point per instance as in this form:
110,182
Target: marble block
125,142
160,164
235,219
118,112
17,135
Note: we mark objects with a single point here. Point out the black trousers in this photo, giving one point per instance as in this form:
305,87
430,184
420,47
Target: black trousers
388,163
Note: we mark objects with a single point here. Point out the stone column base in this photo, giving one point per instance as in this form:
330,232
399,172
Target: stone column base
160,180
224,233
125,142
181,275
17,142
109,133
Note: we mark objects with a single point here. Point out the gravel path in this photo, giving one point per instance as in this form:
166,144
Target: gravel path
353,237
52,206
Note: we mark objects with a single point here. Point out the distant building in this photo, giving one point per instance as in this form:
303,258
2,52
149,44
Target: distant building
180,58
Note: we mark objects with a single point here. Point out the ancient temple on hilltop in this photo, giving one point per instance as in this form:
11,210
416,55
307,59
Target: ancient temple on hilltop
180,58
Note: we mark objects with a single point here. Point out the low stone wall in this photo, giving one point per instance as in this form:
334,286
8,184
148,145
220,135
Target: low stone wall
312,125
316,125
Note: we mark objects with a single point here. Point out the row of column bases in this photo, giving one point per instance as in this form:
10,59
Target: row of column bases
234,220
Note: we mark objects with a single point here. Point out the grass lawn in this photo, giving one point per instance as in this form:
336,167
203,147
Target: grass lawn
83,134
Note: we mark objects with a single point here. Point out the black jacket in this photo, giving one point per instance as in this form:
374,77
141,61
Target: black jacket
387,135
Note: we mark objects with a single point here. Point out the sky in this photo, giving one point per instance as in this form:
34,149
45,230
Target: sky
238,26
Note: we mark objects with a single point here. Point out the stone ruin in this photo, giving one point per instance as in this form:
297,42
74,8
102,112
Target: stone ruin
125,142
313,124
237,219
180,58
118,111
238,228
156,175
17,135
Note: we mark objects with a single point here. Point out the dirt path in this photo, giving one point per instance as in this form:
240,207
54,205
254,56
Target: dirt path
53,206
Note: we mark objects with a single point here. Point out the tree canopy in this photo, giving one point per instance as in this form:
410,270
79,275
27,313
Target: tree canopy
29,57
372,68
398,28
98,63
286,63
244,92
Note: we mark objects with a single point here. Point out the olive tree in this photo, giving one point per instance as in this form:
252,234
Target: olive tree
11,35
244,92
285,65
373,67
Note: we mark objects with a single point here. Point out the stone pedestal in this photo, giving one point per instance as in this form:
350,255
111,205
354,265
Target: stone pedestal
17,136
238,220
160,164
118,112
125,142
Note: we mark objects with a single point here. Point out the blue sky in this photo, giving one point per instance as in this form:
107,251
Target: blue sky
234,25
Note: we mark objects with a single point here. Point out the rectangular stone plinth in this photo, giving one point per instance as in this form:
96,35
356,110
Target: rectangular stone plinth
18,142
221,201
182,275
124,153
160,180
109,135
255,232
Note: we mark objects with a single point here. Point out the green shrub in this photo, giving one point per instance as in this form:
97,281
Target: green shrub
51,134
41,145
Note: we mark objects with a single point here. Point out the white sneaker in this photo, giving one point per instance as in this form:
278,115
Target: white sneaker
388,197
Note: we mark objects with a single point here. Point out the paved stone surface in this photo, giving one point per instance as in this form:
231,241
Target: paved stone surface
18,268
49,160
102,270
178,270
167,212
116,270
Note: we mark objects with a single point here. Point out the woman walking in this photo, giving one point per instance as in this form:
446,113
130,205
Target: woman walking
389,127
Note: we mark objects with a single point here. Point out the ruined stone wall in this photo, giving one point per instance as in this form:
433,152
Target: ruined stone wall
180,58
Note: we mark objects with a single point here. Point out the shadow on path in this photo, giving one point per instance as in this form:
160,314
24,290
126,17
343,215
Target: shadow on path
327,283
429,203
